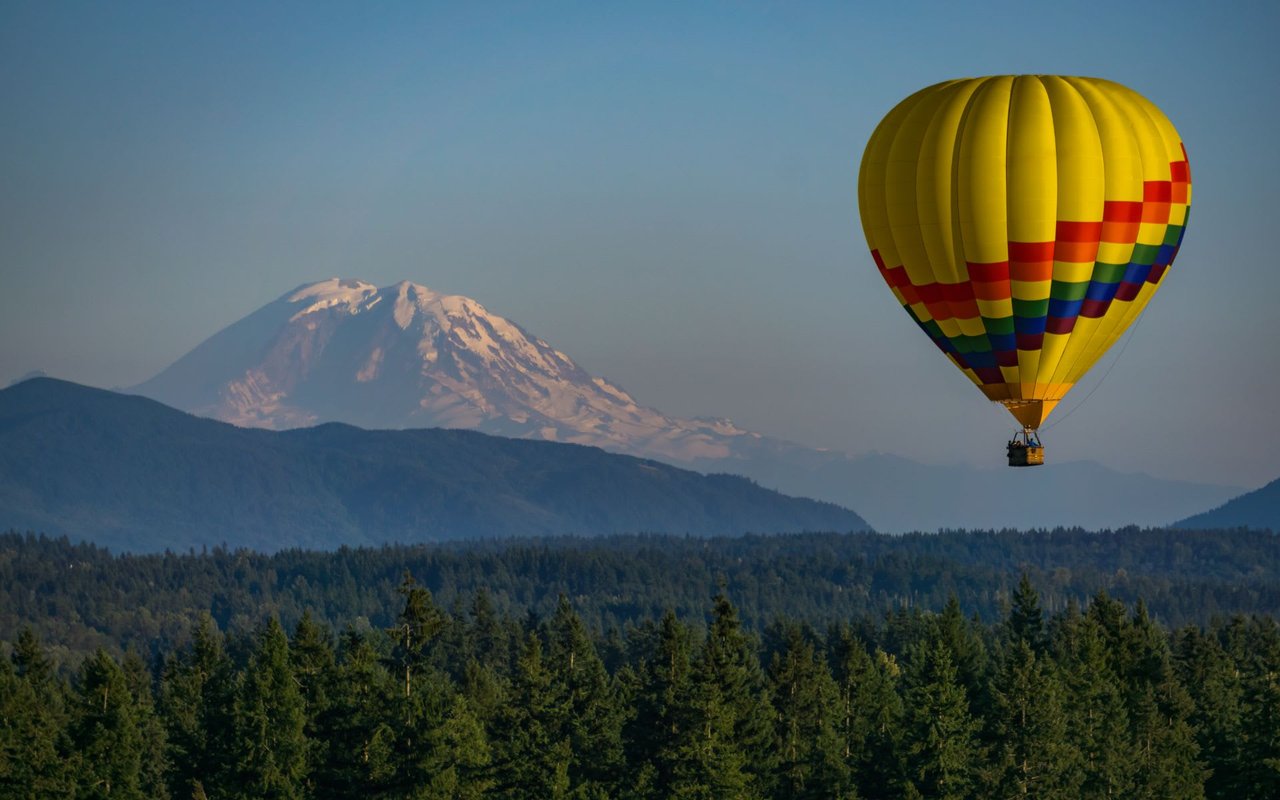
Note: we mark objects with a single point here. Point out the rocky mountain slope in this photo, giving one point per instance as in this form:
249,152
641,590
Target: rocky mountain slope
405,356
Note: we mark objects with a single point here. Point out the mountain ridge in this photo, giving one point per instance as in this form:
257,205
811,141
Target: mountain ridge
1259,509
131,473
405,356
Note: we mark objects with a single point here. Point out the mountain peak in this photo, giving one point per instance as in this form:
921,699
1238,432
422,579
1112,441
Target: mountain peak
335,293
407,356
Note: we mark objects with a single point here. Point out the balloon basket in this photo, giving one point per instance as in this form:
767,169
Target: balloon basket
1025,450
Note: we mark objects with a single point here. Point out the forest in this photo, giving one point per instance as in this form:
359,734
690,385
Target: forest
1096,700
78,597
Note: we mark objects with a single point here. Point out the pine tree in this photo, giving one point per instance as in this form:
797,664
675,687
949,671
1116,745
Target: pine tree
1260,767
661,689
314,667
440,748
731,698
1026,620
30,662
871,717
593,721
812,764
1216,690
1166,754
271,748
533,754
1095,705
941,741
1033,757
104,733
968,653
196,707
489,640
358,741
31,768
154,768
420,621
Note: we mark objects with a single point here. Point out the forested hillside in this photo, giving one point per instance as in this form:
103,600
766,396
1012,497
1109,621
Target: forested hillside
134,475
83,597
1257,509
1095,701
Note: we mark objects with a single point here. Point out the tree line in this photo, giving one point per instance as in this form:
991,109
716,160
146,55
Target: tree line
1094,700
80,597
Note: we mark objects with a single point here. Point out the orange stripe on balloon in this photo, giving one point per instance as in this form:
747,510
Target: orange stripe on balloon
1120,232
1157,212
1077,252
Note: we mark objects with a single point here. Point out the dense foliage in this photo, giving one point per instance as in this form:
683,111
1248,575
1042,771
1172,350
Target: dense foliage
83,597
1091,702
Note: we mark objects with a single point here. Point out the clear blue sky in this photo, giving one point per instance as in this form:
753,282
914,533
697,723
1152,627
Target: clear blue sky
666,191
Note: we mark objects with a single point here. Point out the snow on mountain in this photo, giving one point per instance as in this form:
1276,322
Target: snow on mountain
405,356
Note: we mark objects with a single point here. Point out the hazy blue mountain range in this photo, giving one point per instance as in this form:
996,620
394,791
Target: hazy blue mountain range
1258,509
897,494
405,356
132,474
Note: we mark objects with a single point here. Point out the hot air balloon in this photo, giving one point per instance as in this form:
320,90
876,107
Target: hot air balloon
1024,222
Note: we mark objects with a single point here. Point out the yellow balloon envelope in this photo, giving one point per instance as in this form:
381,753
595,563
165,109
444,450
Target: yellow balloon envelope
1024,222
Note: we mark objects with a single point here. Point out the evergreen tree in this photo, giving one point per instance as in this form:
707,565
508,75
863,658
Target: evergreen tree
420,621
732,707
1166,753
871,717
1099,728
30,661
485,689
314,667
1026,620
357,736
489,640
812,762
153,771
1033,757
968,653
1260,756
270,720
196,707
31,768
104,733
440,747
583,689
533,751
708,762
941,741
1216,690
661,689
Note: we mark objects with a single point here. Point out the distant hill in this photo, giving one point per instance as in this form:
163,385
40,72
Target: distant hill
1258,509
133,474
405,356
898,495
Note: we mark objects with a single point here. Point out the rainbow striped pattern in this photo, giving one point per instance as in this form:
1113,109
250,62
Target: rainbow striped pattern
1024,222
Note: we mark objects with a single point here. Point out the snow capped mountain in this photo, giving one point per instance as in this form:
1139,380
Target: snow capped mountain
405,356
